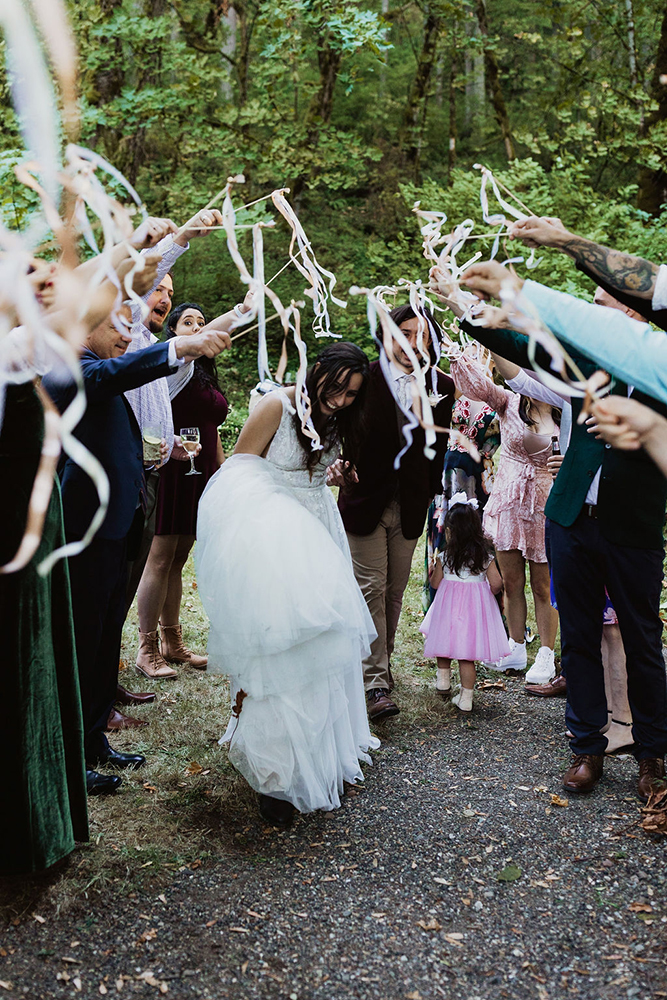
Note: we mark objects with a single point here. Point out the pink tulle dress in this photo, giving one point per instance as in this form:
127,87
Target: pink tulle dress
464,621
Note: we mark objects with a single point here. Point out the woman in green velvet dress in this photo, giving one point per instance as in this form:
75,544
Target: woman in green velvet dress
42,788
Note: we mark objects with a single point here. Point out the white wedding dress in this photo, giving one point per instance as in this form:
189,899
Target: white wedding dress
289,624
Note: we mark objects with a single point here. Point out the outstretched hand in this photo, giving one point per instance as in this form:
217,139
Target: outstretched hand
623,423
487,278
208,344
198,225
538,231
150,232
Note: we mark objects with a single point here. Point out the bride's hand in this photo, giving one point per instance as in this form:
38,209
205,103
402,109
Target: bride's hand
341,474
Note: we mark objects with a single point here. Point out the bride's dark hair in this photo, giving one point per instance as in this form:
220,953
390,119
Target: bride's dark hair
328,376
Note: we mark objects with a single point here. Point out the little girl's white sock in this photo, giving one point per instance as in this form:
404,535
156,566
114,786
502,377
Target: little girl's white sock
463,700
443,681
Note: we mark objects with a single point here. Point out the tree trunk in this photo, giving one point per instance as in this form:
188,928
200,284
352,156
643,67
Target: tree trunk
453,133
493,82
229,50
427,58
653,183
329,61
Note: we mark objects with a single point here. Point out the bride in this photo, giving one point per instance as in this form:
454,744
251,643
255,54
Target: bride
289,624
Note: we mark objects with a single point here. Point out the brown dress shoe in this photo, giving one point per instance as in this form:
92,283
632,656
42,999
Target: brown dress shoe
380,705
556,688
117,720
584,772
125,697
651,772
174,649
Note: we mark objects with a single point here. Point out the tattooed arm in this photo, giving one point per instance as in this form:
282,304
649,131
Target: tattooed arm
612,268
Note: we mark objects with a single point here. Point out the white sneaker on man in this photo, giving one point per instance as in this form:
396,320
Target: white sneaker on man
544,667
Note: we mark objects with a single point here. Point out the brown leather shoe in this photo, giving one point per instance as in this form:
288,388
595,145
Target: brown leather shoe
584,772
125,697
380,706
117,720
556,688
651,772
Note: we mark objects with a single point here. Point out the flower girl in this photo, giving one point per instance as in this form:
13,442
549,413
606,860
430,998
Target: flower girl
464,621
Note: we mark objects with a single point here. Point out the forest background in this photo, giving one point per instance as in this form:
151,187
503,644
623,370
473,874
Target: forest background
361,108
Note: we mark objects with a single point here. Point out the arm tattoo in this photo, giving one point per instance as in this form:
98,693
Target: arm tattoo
620,270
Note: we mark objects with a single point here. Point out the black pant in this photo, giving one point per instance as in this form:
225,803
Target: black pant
98,578
583,562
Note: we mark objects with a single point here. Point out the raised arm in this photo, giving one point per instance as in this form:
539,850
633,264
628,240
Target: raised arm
630,350
469,379
620,271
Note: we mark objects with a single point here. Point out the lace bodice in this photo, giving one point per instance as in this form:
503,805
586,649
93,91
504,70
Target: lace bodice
286,453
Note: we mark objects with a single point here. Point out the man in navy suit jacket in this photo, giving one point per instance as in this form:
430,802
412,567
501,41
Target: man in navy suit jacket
109,431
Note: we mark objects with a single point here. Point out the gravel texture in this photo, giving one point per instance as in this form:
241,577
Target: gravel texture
396,895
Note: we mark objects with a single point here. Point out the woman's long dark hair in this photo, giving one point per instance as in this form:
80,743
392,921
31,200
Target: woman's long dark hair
467,547
525,406
329,376
206,370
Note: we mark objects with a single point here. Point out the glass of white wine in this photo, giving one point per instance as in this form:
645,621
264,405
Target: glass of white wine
190,440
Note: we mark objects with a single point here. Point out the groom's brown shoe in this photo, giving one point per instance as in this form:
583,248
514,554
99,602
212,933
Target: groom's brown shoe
584,772
380,706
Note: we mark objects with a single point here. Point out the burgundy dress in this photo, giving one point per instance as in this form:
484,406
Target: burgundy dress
199,406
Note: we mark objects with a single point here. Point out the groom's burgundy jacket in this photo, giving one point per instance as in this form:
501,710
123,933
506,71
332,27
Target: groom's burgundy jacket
417,480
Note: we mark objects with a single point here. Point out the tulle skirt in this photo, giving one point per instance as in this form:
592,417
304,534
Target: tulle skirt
289,626
464,623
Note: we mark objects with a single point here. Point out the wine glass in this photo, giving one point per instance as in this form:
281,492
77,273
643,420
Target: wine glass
190,440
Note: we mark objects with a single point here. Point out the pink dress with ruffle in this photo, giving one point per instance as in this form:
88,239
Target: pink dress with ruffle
514,513
464,621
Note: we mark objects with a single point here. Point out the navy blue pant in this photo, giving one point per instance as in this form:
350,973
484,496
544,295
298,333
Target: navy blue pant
583,562
98,579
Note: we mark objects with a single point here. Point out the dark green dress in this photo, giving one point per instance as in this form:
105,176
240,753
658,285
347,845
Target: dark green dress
43,789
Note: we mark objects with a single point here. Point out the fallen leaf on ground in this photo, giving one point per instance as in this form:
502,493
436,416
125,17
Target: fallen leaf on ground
640,908
239,930
415,995
6,985
77,984
556,800
510,873
455,939
485,685
429,925
194,768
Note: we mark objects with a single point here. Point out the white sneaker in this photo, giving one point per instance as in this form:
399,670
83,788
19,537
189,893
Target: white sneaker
515,660
543,669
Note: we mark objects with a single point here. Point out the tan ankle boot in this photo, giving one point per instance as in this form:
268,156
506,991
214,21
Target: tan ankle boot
150,661
175,651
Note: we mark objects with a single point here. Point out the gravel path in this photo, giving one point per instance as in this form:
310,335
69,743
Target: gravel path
397,894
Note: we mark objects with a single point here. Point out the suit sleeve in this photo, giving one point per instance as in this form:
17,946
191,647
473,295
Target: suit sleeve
514,347
113,376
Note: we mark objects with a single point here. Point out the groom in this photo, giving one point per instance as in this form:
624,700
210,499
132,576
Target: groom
385,509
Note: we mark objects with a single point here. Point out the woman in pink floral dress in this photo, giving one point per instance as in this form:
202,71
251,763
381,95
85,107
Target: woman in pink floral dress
514,514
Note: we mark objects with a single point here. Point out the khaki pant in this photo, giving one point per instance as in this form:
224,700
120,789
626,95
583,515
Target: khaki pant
382,562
